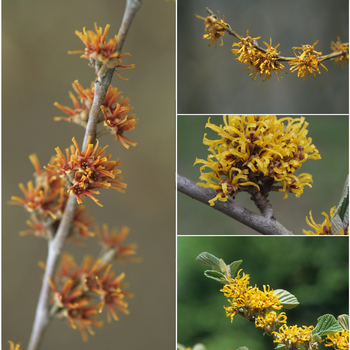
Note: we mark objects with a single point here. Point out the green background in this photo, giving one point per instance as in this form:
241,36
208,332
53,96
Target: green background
314,269
330,136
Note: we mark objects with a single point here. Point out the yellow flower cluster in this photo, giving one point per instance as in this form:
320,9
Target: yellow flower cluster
261,62
215,27
255,152
338,340
247,301
324,228
340,47
307,62
293,336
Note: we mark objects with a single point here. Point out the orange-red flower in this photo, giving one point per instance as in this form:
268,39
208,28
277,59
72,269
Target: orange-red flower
113,296
100,52
114,108
113,242
88,170
73,304
117,122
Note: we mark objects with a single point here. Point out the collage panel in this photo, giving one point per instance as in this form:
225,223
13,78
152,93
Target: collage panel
299,165
100,285
262,292
263,57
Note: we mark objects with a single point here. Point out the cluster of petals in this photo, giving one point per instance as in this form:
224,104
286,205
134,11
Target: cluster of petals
87,171
114,116
13,346
99,51
261,62
112,242
45,200
293,336
338,340
307,61
325,228
215,28
247,301
80,293
254,153
343,48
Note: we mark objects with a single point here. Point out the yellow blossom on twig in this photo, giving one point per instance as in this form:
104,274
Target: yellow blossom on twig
254,153
322,229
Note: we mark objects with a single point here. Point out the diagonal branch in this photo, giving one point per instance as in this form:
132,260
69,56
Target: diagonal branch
55,246
262,224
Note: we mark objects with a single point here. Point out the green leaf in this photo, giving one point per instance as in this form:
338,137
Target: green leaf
216,275
342,212
280,346
234,267
208,259
326,324
344,321
288,300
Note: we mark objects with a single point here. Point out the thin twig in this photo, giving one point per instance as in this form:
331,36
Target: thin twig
55,246
262,224
229,30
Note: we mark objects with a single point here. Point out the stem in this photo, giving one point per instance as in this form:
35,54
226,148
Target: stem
55,246
262,224
229,30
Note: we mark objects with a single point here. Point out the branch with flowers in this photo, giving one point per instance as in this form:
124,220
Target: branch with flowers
262,307
265,61
74,292
258,155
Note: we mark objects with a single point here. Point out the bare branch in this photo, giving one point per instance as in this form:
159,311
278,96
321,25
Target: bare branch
262,224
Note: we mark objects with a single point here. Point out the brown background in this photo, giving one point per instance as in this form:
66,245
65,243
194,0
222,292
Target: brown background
37,71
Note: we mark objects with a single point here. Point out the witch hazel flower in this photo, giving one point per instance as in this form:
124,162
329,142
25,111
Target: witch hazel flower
114,116
99,52
257,153
87,171
113,246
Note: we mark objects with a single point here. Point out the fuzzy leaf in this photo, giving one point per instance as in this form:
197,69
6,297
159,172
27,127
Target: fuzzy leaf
234,267
344,321
326,324
208,259
216,275
341,215
288,300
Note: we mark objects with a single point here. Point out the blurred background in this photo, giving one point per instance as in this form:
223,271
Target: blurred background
330,136
37,71
314,269
211,80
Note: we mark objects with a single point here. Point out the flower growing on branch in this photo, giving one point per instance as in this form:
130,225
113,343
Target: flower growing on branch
293,336
100,52
308,61
114,108
215,27
88,170
339,47
112,243
247,301
254,153
338,340
325,228
264,61
80,293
